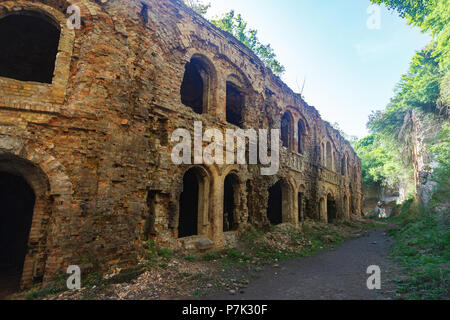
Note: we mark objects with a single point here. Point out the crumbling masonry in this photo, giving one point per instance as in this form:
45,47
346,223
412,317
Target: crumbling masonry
86,118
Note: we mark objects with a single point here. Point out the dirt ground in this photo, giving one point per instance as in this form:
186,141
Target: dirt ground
338,274
333,264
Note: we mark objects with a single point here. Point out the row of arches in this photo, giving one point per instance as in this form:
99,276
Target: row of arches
288,133
194,203
198,90
329,159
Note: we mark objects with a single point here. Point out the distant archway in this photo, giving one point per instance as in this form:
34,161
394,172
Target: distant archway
331,208
280,203
230,203
189,205
275,205
300,206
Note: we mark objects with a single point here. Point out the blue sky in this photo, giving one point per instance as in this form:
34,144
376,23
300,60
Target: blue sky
350,69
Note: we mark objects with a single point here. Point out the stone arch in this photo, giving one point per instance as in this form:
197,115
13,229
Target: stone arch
331,210
53,195
197,90
193,202
239,182
281,202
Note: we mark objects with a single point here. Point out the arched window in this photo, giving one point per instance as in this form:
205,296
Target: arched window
235,105
29,46
286,130
196,87
301,136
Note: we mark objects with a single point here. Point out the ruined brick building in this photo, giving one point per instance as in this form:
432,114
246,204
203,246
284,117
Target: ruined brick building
86,117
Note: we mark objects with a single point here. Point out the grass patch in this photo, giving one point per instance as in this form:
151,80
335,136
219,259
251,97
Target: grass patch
422,247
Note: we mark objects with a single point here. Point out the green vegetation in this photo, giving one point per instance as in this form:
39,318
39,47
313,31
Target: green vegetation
422,247
235,25
422,236
424,91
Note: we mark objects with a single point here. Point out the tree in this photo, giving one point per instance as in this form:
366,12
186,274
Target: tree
237,26
198,6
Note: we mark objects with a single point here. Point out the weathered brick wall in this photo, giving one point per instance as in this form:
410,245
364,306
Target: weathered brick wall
100,134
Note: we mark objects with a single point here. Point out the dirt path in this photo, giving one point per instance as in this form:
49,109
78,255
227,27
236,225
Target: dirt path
338,274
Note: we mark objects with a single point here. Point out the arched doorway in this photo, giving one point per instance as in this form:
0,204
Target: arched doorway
17,200
189,205
230,203
300,206
31,44
275,205
280,203
331,208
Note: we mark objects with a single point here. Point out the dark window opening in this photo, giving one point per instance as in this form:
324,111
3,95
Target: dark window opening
17,203
229,204
286,130
188,223
300,206
301,133
235,105
275,205
29,47
331,209
195,86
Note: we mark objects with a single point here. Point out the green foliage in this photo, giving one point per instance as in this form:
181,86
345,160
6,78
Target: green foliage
422,246
381,162
198,6
165,253
387,153
238,27
441,176
211,256
191,257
